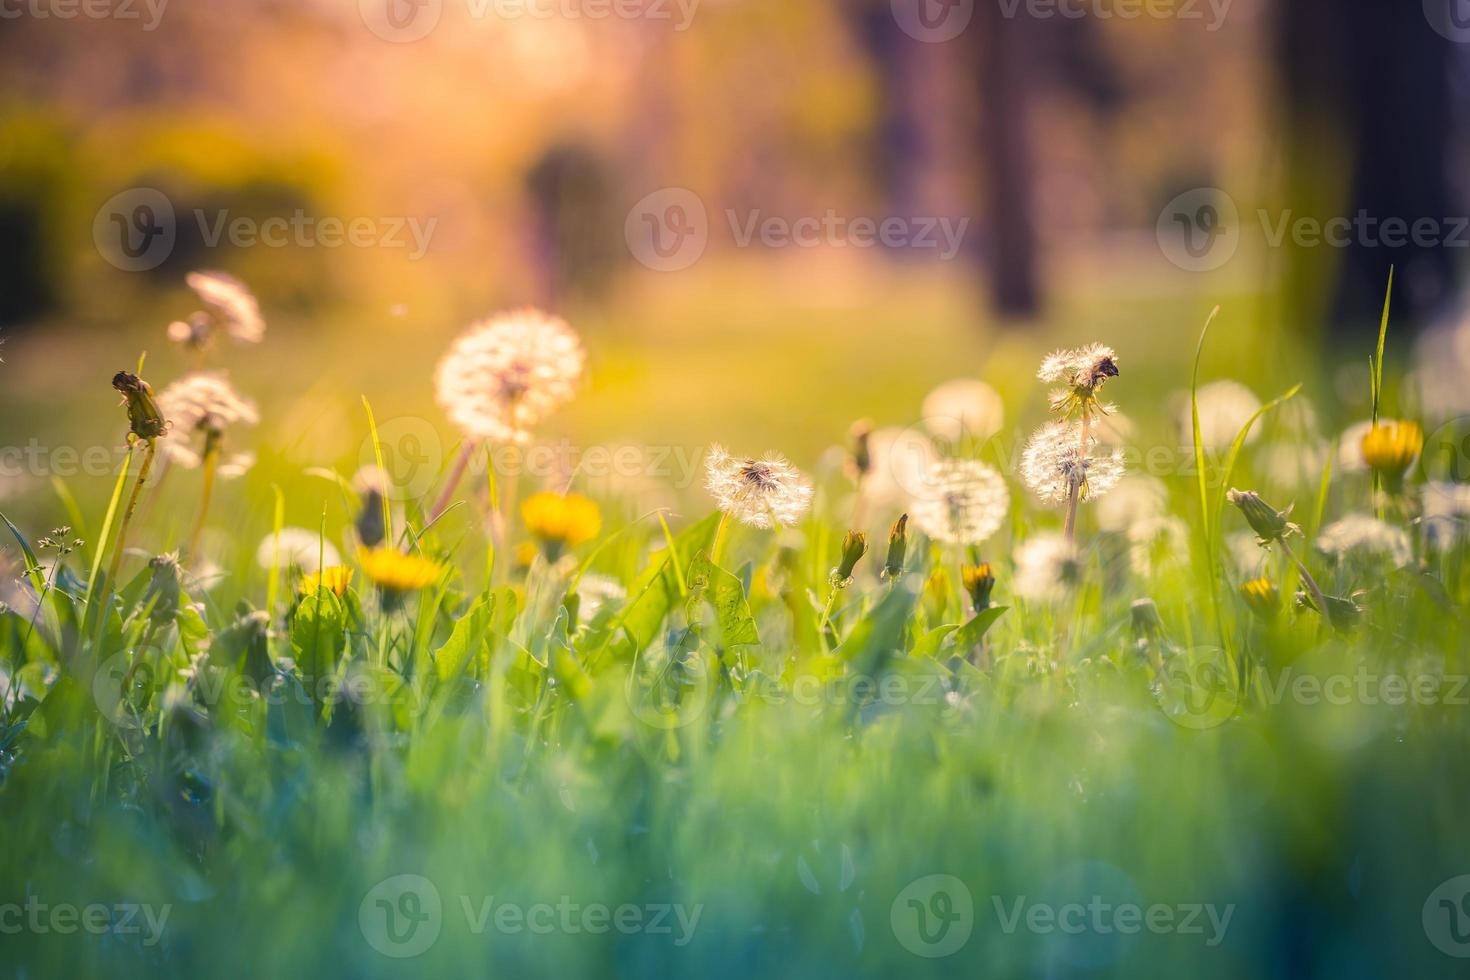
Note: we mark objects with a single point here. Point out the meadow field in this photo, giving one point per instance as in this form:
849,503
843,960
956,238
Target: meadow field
378,644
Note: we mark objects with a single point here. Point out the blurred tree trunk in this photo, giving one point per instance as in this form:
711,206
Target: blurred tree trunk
1367,123
901,150
1004,58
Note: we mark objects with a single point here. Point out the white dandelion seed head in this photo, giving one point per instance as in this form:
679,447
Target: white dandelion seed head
231,302
965,502
504,375
1055,460
297,547
1047,565
204,402
1365,535
1156,544
1079,367
1224,409
1350,447
1136,498
758,492
963,408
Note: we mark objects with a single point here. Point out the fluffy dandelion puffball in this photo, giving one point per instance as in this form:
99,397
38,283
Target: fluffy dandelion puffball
1367,536
758,492
205,402
900,460
1079,367
231,303
504,375
296,547
1446,510
1224,409
964,409
1047,565
964,503
1057,459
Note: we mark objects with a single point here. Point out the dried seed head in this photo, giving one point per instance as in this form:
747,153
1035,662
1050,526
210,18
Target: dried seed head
504,375
963,502
1058,459
758,492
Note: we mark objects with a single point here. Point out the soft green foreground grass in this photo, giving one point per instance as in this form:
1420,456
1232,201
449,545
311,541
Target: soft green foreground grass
777,807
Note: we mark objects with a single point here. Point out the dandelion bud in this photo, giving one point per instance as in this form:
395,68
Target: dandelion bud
978,580
144,417
162,596
1146,621
1390,447
854,546
1269,523
1262,597
861,461
1342,614
898,545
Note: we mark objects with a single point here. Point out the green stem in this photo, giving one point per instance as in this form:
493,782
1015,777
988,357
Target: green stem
122,531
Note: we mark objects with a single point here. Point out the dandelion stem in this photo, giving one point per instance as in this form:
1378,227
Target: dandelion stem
1074,494
211,463
122,532
1310,582
455,474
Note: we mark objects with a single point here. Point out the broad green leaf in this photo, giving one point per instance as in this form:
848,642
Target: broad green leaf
726,595
318,632
974,631
468,642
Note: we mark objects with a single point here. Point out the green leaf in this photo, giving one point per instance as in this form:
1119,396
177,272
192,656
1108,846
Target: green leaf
468,642
318,632
974,631
930,642
726,595
657,590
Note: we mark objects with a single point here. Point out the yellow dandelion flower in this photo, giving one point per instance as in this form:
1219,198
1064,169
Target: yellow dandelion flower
394,572
1262,596
335,578
1390,447
558,520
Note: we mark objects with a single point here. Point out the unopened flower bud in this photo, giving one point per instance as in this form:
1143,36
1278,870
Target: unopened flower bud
862,457
854,546
162,596
978,580
898,545
1269,523
144,417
